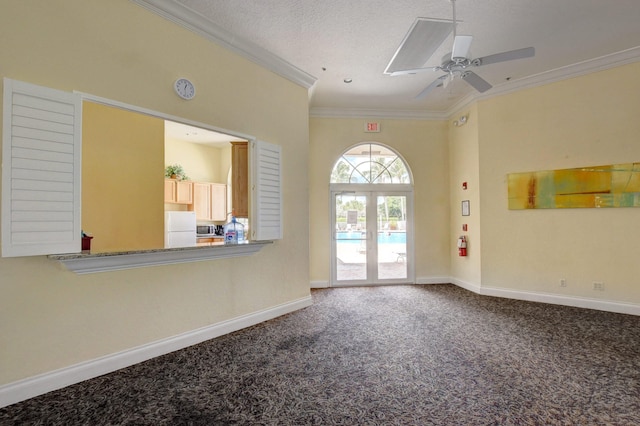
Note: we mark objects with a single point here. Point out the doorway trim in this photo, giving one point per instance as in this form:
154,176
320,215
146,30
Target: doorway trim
392,187
372,271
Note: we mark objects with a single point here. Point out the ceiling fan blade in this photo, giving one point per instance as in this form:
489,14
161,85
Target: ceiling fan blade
461,46
478,83
436,83
423,39
526,52
412,71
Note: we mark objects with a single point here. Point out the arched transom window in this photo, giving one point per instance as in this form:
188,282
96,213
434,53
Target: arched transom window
370,163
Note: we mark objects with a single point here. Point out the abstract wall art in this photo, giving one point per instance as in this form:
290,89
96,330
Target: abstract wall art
616,185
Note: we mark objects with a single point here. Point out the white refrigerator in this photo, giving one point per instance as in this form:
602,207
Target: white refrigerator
179,229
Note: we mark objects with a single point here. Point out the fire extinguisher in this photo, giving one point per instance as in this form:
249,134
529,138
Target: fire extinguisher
462,246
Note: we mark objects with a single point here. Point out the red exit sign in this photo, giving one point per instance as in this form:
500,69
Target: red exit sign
372,127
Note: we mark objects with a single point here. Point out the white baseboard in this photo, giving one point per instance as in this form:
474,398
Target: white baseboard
466,285
531,296
47,382
558,299
421,280
551,298
433,280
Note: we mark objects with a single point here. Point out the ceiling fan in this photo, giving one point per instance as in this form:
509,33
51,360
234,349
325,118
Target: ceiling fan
458,62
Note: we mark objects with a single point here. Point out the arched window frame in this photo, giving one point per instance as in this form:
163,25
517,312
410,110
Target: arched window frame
372,155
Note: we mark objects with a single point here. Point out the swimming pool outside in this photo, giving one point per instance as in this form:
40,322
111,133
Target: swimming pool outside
384,237
351,247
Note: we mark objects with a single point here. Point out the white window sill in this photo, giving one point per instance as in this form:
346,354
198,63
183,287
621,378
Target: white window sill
86,263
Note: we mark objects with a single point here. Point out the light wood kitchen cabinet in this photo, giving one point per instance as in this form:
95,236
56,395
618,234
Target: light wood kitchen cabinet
210,240
209,201
240,178
202,201
178,191
219,202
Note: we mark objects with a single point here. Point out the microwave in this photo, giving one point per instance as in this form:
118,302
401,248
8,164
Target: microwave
205,229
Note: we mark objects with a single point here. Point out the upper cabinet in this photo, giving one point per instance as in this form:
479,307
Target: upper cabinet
178,191
219,201
202,201
209,201
240,178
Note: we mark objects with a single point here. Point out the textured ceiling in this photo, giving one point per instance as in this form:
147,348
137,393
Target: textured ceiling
337,39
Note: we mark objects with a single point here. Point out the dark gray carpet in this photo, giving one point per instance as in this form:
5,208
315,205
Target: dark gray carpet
397,355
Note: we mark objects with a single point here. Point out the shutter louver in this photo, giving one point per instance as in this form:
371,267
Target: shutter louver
41,171
267,186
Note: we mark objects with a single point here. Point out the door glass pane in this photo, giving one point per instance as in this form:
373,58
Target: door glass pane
351,237
392,237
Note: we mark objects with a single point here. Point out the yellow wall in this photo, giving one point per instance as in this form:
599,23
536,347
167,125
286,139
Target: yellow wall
589,120
423,144
51,318
584,121
201,163
464,167
122,167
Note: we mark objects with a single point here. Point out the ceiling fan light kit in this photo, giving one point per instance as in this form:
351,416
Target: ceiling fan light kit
456,63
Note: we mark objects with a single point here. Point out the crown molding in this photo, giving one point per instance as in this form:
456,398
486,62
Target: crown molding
579,69
590,66
398,114
602,63
193,21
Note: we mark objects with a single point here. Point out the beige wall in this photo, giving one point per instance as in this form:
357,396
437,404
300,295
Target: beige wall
588,120
464,167
122,165
51,318
201,163
423,144
585,121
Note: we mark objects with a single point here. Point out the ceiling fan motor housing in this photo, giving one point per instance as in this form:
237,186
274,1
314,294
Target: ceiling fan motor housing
456,63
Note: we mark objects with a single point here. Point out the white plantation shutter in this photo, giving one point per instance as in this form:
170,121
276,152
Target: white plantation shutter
267,191
41,153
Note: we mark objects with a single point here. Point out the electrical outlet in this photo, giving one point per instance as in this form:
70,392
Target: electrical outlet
598,285
563,282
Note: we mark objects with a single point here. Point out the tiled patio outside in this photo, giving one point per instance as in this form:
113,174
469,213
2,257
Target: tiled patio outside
351,262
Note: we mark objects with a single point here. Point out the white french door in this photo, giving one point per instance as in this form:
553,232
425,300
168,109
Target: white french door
372,240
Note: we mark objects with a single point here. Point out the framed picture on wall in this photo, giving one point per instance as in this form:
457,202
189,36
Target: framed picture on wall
465,208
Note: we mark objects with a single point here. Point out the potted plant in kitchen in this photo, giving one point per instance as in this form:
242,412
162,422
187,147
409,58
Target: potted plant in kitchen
175,171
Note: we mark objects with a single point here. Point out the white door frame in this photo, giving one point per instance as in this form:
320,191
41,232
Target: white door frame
372,191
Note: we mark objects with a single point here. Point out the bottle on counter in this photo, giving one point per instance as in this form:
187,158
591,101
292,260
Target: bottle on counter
233,231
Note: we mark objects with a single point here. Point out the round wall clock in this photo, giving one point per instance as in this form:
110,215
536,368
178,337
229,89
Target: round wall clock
184,88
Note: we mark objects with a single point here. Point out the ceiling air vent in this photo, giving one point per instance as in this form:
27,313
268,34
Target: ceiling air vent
422,40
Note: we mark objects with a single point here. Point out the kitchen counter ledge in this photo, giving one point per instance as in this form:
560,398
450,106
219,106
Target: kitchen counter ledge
87,263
